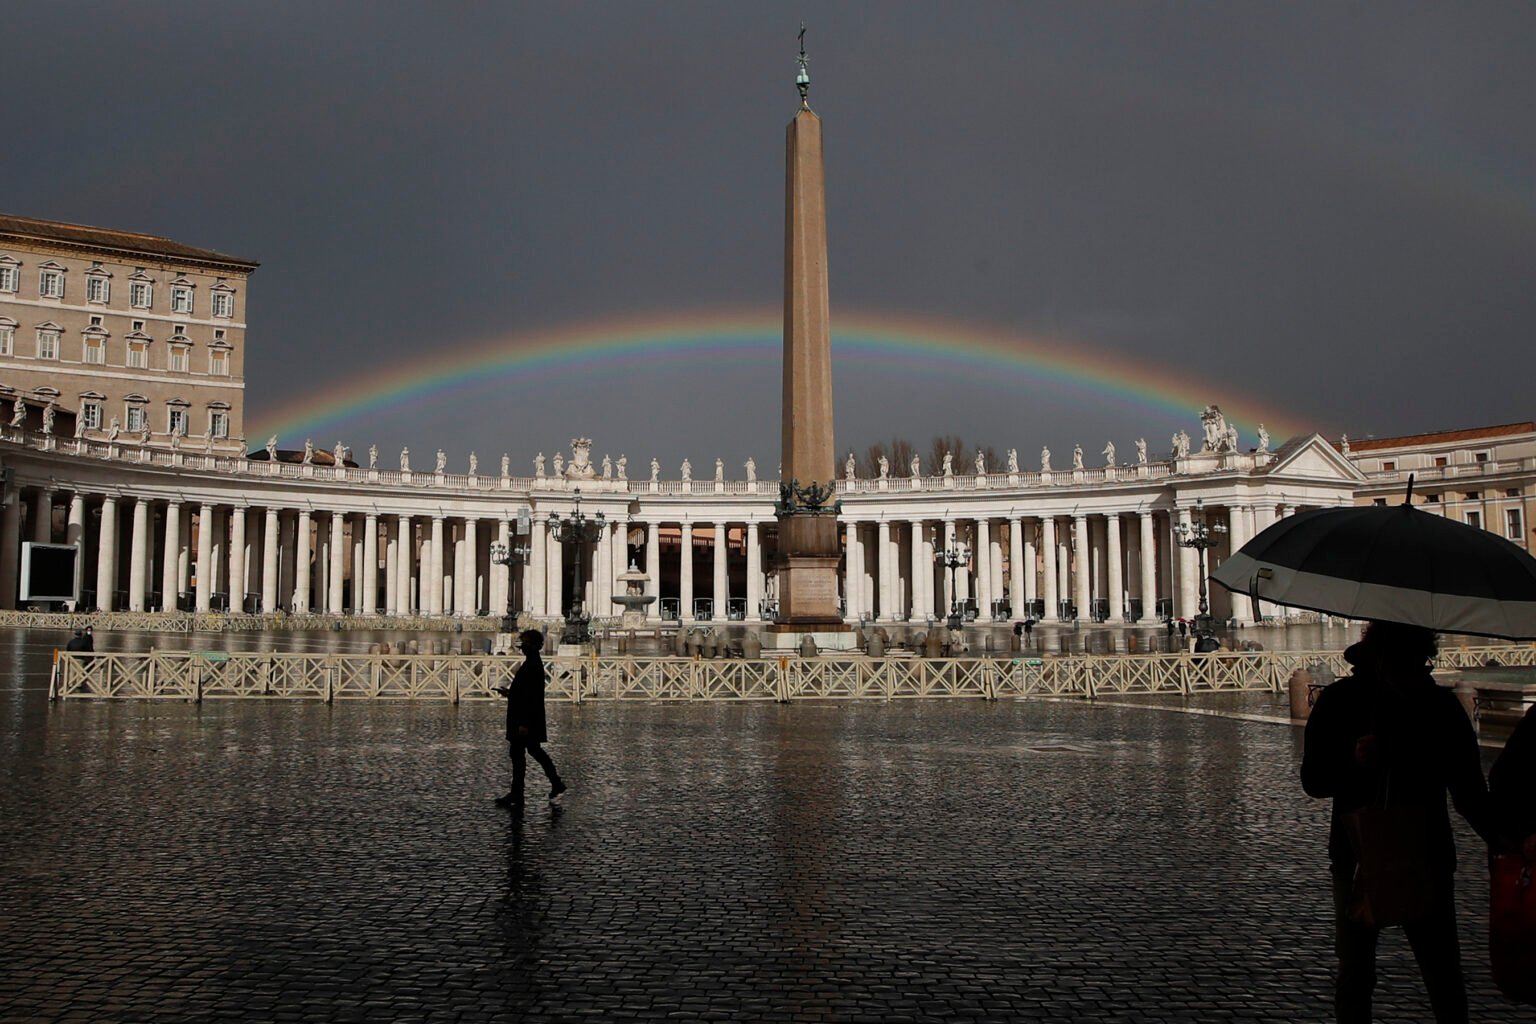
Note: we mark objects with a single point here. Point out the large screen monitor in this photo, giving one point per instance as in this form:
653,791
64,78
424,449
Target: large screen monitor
50,572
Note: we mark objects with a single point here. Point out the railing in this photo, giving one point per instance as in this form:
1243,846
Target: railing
198,676
220,622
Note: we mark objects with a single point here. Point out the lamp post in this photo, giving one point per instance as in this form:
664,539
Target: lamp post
952,560
1201,536
516,554
577,529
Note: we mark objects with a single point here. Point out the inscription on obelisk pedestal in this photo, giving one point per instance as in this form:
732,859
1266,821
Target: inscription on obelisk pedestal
809,550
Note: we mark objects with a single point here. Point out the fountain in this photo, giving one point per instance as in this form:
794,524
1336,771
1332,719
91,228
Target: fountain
634,599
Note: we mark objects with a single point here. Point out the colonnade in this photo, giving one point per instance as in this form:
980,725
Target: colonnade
144,553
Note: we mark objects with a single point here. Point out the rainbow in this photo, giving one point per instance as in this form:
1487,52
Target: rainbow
945,349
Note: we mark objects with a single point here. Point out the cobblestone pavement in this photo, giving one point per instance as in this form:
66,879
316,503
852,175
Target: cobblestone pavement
918,861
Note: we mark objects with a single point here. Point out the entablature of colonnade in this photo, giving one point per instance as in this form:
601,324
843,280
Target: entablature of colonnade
1306,471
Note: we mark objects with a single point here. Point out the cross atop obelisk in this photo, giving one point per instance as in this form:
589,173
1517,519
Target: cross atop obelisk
808,538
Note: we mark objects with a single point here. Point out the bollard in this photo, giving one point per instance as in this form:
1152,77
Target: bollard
876,644
751,646
807,647
1299,685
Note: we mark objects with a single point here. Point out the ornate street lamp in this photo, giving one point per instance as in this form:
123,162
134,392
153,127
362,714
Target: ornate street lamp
952,560
516,554
577,529
1202,537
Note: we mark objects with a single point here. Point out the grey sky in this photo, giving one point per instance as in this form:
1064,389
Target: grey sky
1326,207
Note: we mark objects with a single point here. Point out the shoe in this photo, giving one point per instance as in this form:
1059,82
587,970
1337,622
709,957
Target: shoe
556,793
510,800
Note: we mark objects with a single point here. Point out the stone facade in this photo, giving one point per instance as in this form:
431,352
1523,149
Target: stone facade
111,325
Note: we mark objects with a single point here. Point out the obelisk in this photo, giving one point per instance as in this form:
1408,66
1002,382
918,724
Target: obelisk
809,551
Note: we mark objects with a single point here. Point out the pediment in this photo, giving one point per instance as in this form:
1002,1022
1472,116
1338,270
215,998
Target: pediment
51,265
98,272
139,275
1311,457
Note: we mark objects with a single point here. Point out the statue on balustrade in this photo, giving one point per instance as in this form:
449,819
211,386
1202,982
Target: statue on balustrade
885,467
559,464
1013,460
1344,444
309,450
916,467
18,412
405,460
1045,460
607,468
719,470
48,418
373,456
848,466
506,465
949,464
655,470
1141,451
79,426
442,461
115,429
1181,445
144,434
538,465
474,464
1077,456
339,453
981,463
687,471
751,467
623,467
1230,442
1215,426
1263,440
1109,454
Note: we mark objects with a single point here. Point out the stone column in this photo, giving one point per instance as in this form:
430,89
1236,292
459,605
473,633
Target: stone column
405,599
501,575
74,531
10,554
554,573
653,568
883,566
983,569
42,517
370,596
106,556
930,538
1237,527
138,569
1082,567
320,581
1031,558
1016,567
538,582
334,604
921,569
1148,566
432,571
1116,595
853,583
754,573
471,589
237,559
722,581
1051,574
1189,575
205,558
219,553
392,566
685,574
947,578
301,564
269,549
602,570
170,559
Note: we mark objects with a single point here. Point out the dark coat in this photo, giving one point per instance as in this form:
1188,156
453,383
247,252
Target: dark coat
1425,747
525,704
1512,781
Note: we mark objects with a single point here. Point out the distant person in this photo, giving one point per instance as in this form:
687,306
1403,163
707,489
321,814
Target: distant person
77,642
1387,736
525,722
1183,630
1511,918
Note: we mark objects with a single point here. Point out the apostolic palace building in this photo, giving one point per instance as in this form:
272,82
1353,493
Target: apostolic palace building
121,431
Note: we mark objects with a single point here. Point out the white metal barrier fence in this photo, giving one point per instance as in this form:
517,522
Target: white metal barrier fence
196,676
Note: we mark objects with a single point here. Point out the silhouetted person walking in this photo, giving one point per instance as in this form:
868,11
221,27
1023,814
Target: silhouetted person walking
525,722
1387,737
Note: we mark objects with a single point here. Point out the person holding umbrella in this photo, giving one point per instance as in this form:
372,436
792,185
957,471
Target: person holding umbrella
1387,744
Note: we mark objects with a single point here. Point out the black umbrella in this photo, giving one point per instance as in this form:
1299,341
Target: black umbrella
1392,563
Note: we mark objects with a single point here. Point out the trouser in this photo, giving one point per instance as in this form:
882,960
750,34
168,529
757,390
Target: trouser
531,748
1434,944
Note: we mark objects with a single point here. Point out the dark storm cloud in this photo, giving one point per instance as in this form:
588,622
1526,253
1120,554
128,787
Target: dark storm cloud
1327,207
